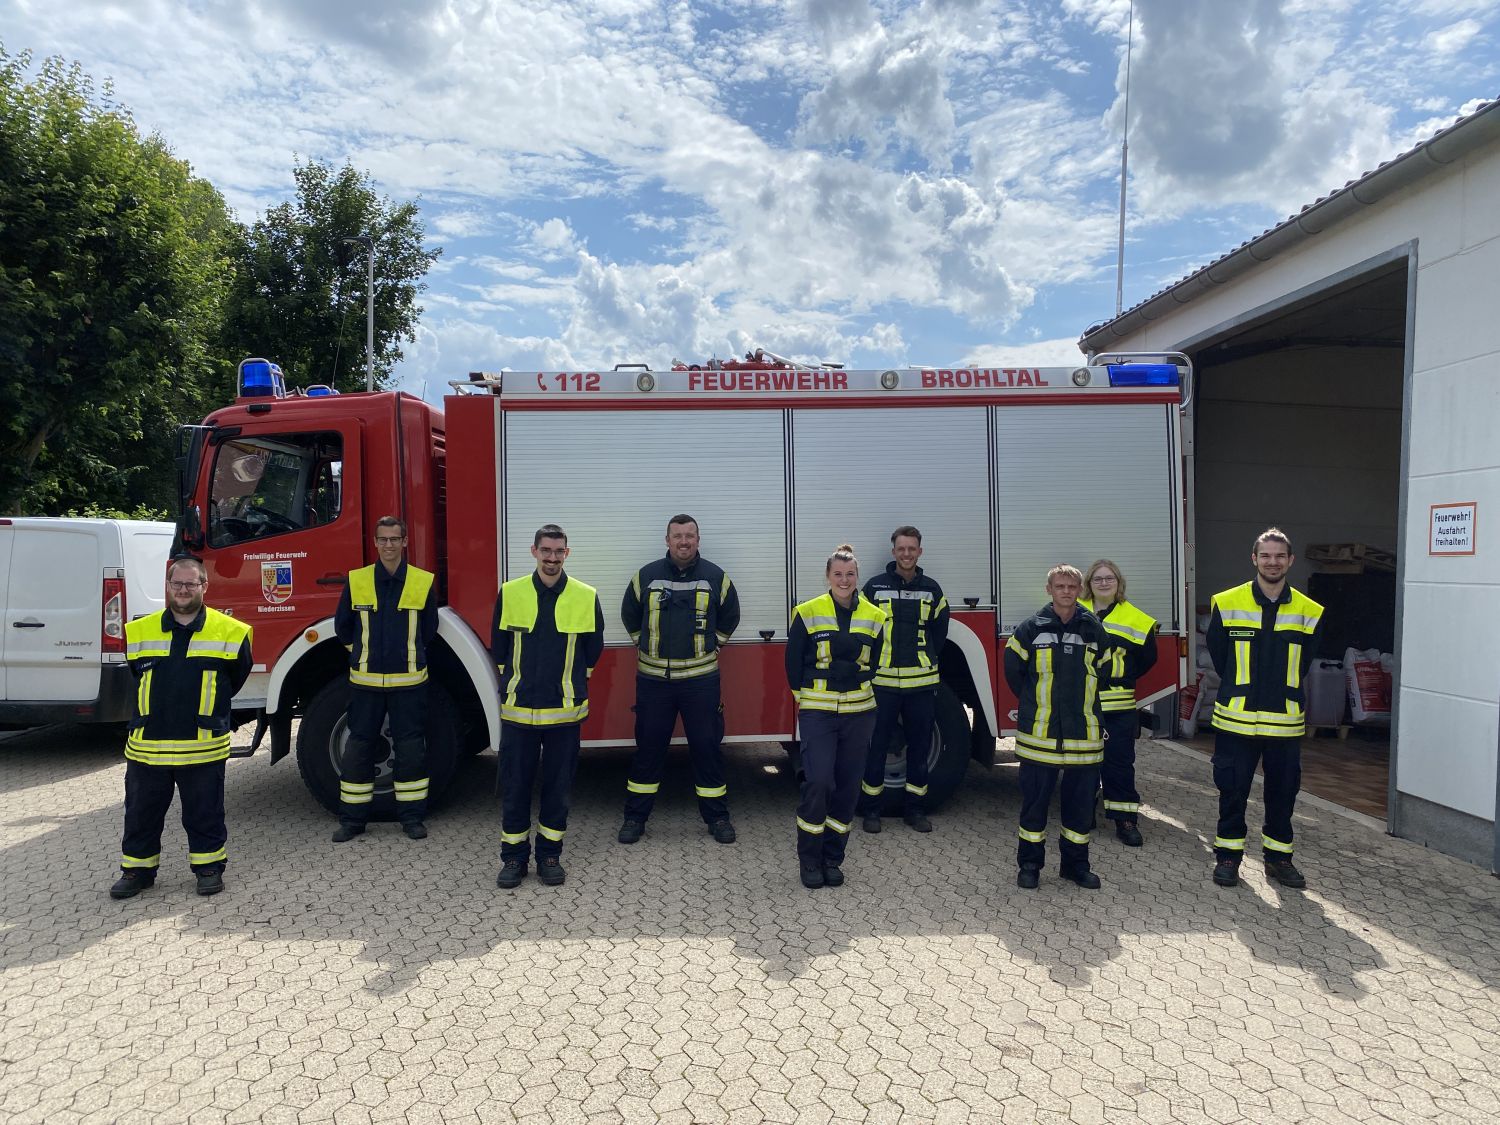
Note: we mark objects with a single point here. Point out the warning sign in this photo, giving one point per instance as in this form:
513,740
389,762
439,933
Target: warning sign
1453,529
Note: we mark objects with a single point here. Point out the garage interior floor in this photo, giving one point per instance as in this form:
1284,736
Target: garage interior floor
1350,771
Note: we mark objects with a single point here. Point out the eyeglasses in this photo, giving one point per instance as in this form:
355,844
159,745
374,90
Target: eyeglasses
1106,578
184,587
389,540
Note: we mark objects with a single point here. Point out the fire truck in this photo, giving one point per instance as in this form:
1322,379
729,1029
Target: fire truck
1006,471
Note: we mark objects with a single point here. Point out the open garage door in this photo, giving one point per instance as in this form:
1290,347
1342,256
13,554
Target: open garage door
1297,423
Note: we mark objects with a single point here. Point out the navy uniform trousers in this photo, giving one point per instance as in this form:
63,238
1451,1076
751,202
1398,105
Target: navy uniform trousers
1117,774
148,796
915,710
834,749
525,753
1234,762
406,709
657,704
1079,784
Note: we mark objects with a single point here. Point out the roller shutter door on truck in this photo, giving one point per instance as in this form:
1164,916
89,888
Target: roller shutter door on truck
612,479
1077,483
860,474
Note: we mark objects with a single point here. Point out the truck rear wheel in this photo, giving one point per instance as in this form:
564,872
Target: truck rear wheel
947,757
324,733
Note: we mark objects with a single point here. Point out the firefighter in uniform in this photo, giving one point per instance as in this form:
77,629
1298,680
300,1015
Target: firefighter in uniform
1132,653
547,635
1263,637
1052,665
906,679
678,610
188,661
387,616
833,648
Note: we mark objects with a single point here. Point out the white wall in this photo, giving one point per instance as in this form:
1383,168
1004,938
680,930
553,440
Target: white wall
1450,669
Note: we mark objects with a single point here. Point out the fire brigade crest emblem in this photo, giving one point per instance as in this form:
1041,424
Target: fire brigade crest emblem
276,581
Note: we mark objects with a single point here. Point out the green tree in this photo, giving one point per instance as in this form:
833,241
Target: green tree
114,267
299,292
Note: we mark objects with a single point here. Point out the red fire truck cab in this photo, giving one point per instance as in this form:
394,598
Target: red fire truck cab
1006,471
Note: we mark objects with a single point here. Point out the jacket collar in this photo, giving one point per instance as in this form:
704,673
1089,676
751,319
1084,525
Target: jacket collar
168,622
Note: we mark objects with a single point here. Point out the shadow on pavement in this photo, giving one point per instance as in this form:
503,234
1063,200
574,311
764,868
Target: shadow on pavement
415,905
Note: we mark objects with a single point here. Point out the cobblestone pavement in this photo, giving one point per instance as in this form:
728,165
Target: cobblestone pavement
684,981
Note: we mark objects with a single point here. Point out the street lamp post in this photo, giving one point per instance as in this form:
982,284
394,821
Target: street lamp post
369,244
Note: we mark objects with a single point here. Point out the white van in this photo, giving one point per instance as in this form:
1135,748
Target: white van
67,587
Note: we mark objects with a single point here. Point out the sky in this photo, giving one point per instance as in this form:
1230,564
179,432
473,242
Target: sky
871,182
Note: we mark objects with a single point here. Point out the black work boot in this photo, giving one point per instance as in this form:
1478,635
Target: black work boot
871,822
833,875
631,831
723,830
549,870
415,830
1082,876
1129,833
917,821
1284,873
346,832
210,880
1029,877
512,871
1227,873
812,877
132,881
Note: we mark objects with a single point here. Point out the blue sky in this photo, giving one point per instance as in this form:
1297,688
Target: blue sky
874,183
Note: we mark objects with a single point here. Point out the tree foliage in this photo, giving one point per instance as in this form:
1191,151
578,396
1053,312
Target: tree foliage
298,296
114,268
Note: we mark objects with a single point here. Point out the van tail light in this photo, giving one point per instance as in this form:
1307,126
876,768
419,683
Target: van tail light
112,627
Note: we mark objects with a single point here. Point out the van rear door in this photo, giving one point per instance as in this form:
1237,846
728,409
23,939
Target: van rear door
7,536
52,614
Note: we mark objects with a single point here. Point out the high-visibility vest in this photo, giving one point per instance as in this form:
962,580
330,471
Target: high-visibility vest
820,618
573,615
1129,626
194,736
1295,621
1056,720
365,603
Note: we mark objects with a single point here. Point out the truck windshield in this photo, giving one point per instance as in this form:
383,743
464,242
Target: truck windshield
266,486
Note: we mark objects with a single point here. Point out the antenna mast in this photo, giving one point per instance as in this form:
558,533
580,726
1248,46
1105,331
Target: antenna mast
1124,167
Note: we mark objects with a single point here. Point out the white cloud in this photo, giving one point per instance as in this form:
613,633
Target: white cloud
1454,38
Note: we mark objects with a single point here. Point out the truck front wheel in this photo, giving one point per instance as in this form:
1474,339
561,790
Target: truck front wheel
325,732
947,757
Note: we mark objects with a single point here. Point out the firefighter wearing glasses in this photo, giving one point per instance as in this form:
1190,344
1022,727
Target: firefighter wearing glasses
1132,653
188,662
1263,637
679,610
387,616
1051,664
906,679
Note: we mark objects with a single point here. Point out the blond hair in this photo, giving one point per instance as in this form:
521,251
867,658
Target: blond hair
1063,569
1088,579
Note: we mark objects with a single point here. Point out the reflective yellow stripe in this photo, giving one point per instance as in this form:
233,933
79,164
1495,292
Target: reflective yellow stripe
364,643
1042,753
1293,665
569,696
208,691
643,787
903,678
1018,648
837,825
136,861
411,790
545,716
387,679
1241,663
553,834
1075,837
411,642
1043,693
509,703
815,829
1235,719
700,605
711,791
871,790
515,837
1033,837
1272,845
653,624
143,694
916,790
1090,696
1121,806
198,859
1230,845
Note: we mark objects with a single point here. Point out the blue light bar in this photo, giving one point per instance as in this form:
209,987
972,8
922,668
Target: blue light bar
260,378
1144,375
320,390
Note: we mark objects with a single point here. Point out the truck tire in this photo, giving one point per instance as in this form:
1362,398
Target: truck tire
947,758
323,734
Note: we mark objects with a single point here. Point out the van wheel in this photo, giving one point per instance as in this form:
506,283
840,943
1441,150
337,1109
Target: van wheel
324,733
947,757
